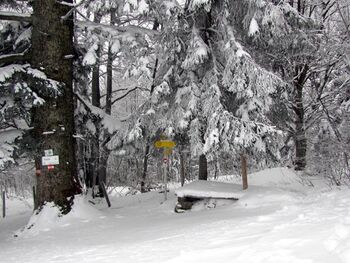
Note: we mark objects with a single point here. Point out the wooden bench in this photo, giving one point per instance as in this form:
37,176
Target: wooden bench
196,191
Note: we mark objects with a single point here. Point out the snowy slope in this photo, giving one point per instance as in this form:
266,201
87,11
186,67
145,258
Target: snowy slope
270,225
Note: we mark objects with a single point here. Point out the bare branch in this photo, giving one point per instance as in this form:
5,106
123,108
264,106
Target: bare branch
124,95
11,16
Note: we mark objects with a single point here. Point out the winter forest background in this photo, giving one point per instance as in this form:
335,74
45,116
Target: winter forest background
100,81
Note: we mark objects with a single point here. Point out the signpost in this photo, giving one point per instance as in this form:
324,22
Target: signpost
167,147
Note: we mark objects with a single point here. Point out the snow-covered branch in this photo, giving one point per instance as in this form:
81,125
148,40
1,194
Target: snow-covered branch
108,122
117,29
14,58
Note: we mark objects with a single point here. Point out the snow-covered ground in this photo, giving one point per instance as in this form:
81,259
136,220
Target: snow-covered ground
282,221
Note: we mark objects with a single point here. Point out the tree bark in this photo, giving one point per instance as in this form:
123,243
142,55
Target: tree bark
203,167
52,40
300,137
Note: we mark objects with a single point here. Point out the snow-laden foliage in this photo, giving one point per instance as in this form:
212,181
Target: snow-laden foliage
224,109
197,52
21,88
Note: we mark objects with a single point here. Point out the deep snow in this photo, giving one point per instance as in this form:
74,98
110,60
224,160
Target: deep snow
282,221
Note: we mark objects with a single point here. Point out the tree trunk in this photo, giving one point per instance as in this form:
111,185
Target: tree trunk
203,170
95,88
96,101
244,171
110,70
145,167
182,167
300,138
53,122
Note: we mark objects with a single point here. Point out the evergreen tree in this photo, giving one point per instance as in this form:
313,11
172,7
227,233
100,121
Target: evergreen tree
48,79
209,86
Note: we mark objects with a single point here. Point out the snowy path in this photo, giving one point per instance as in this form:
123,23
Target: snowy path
266,226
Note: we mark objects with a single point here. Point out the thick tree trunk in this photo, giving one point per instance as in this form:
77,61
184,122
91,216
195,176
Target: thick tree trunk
96,101
203,168
53,122
110,70
300,138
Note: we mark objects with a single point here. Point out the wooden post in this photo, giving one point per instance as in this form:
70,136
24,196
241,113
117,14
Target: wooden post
105,193
244,171
3,204
165,163
167,150
34,198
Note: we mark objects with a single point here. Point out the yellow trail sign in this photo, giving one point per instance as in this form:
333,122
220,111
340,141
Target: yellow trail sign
167,146
164,144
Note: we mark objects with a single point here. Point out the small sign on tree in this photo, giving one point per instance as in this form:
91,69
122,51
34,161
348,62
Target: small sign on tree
50,160
48,152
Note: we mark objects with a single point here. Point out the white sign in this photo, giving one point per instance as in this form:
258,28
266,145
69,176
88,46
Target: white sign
48,152
50,160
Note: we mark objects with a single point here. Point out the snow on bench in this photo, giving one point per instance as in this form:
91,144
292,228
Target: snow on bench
210,189
199,190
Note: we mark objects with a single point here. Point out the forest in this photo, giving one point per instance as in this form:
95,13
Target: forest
141,95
